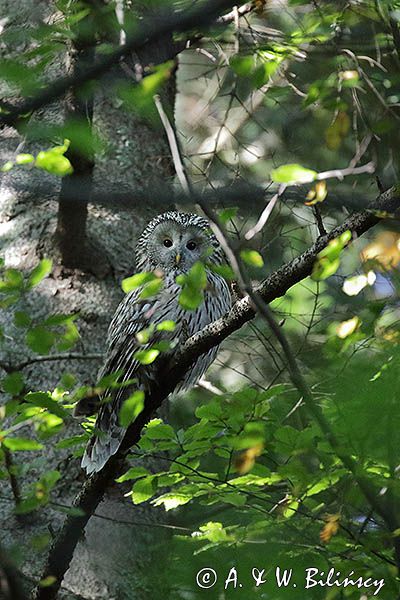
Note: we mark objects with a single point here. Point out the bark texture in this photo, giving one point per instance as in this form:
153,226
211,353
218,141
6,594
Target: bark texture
113,559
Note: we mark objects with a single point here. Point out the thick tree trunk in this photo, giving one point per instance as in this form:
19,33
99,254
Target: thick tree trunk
72,213
115,558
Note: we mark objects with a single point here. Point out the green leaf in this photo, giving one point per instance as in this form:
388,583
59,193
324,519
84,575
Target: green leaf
172,500
211,411
74,440
138,280
242,65
131,408
133,473
224,270
70,336
47,581
214,531
28,505
143,489
264,72
146,357
49,479
12,280
252,257
193,283
40,272
18,444
24,159
293,174
166,326
7,166
53,161
40,339
13,383
44,400
151,288
226,214
328,260
160,431
139,97
22,319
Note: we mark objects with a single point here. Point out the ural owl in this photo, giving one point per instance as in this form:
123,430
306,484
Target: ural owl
171,244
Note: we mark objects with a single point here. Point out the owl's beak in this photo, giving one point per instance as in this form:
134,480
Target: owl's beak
178,258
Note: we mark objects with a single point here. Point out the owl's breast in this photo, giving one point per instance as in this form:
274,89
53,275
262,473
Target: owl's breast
217,301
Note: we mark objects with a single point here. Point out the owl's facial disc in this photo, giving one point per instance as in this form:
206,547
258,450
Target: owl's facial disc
176,248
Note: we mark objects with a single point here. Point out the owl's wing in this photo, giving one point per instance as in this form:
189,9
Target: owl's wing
132,315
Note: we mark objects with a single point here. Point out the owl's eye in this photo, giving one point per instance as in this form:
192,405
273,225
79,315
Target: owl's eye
167,243
191,245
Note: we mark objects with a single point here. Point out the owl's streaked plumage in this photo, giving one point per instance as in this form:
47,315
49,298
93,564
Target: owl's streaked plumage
171,243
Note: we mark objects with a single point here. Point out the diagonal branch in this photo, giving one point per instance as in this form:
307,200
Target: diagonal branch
276,285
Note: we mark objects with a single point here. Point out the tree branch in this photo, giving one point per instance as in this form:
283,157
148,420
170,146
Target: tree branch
276,285
146,34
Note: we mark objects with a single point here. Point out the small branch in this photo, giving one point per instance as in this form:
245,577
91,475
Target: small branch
342,173
240,11
174,147
9,368
318,218
265,214
9,464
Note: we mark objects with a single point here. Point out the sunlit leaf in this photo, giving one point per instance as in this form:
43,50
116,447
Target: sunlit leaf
328,260
172,500
138,280
143,489
21,444
24,159
348,327
252,257
146,357
40,272
166,325
53,160
293,174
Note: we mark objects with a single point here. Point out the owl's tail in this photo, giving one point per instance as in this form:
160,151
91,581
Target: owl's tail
107,439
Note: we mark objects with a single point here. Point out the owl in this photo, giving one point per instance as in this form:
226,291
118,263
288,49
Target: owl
170,245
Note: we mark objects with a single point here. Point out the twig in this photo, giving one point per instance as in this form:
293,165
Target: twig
9,464
265,214
240,11
342,173
318,218
173,144
9,367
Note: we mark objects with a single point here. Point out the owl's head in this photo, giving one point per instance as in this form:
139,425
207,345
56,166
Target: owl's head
174,241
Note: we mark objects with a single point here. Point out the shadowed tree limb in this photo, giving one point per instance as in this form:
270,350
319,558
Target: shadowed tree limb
274,286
